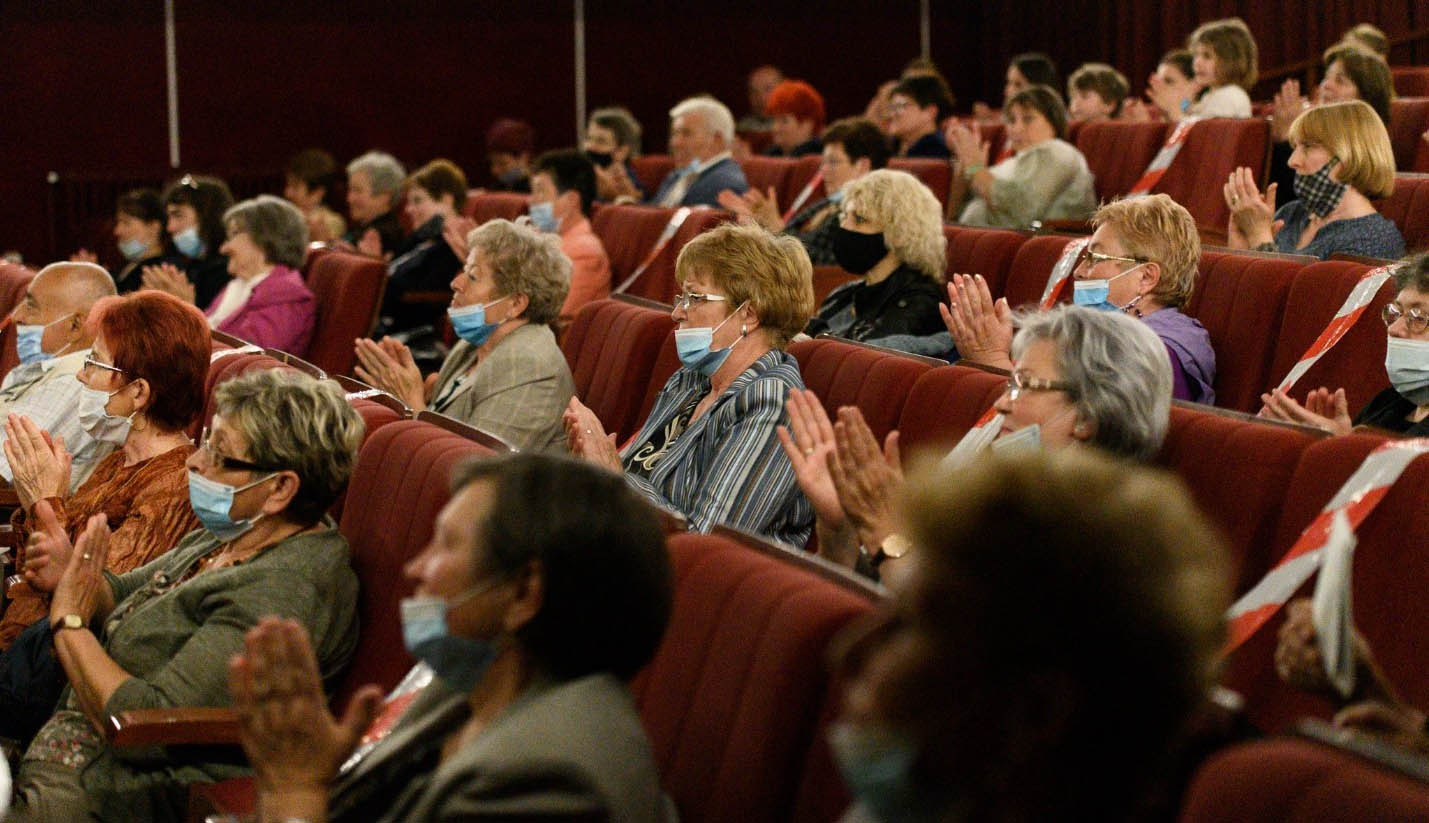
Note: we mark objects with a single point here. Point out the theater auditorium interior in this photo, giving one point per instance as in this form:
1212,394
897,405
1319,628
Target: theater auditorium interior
576,410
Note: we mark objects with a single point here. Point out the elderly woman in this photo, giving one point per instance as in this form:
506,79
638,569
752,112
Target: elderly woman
435,193
1402,408
1045,179
526,714
1342,157
852,148
277,454
143,387
798,112
709,449
1078,375
891,235
1069,696
374,182
195,206
507,376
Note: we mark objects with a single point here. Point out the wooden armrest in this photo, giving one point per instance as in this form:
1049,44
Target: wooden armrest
174,727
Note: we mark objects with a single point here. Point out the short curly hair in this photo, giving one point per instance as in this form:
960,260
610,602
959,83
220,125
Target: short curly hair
771,273
911,217
1105,81
525,261
158,338
1157,229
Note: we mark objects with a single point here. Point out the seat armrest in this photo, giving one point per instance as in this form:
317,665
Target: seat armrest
174,727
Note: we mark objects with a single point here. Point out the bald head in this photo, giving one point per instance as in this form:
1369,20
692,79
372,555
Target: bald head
74,287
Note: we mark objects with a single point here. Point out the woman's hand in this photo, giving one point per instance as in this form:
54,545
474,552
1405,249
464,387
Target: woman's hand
1399,723
1252,221
967,144
39,463
47,552
290,737
81,589
868,480
454,231
1134,110
166,277
389,366
754,206
809,443
1323,409
1166,98
613,183
981,327
587,439
1289,103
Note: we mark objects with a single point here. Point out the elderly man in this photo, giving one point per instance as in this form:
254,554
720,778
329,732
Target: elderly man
373,181
53,344
701,135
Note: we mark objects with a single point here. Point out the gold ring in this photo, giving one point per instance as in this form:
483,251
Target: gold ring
588,431
86,555
1234,200
808,452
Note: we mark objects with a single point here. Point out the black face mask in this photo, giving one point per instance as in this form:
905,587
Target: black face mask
856,252
600,158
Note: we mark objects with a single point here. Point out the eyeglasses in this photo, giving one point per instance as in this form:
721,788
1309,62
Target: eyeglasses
213,461
684,300
91,363
1020,382
1092,258
1415,321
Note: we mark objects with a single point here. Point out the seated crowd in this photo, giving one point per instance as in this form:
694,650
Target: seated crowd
155,571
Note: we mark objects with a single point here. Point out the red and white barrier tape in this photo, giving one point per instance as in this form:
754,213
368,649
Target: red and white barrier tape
1062,272
804,195
666,235
979,437
1344,319
1163,158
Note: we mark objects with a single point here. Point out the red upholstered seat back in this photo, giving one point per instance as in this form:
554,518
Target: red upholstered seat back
667,362
1421,157
1408,118
1356,363
1118,153
843,373
1213,149
828,278
396,490
1240,299
629,234
611,347
988,252
1410,81
1030,268
1290,780
374,416
943,404
14,280
733,698
765,173
936,174
495,205
650,170
1408,207
348,290
804,170
224,368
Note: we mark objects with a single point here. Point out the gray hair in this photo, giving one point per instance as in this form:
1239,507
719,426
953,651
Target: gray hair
299,423
384,173
525,261
715,115
275,225
1119,369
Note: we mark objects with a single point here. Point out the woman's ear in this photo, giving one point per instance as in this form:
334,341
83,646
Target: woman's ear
1083,429
519,304
144,397
1150,277
284,490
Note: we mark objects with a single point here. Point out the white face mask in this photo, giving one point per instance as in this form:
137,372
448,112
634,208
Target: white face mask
1024,440
1407,362
98,423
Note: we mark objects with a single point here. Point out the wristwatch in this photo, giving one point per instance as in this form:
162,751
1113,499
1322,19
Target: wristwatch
893,547
69,621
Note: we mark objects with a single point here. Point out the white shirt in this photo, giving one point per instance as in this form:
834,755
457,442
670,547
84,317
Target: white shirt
233,298
48,393
1229,100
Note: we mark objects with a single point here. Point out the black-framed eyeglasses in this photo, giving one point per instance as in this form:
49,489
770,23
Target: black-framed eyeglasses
1415,321
1019,382
216,461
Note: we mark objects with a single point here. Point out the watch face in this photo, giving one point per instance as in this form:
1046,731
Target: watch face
72,621
895,546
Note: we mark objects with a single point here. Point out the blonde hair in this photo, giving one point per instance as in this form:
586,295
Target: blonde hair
771,273
1370,37
525,261
911,217
1352,132
1160,230
1237,58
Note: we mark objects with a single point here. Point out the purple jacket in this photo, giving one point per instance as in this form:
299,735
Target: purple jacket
1190,347
279,313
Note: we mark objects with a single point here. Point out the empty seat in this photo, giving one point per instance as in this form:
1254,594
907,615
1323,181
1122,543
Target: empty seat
650,171
348,291
988,252
1408,208
611,347
226,368
1031,266
1213,149
1410,81
804,170
936,174
629,234
844,373
1408,119
1118,153
496,205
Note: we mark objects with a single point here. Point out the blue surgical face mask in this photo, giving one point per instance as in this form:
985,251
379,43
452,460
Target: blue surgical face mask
459,661
693,347
212,503
1095,294
28,341
133,249
469,322
1407,362
543,217
877,767
189,243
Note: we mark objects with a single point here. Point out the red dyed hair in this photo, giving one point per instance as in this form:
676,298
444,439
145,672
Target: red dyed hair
161,339
797,98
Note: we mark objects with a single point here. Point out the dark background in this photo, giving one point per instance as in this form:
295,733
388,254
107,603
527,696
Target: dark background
83,90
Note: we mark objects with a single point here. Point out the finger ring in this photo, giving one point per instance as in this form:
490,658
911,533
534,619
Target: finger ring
86,555
1234,200
588,431
808,452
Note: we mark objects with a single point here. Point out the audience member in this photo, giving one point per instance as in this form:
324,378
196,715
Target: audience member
278,453
1368,37
562,192
139,234
994,685
506,376
1078,375
423,262
1024,70
308,180
701,134
1170,89
53,342
708,450
761,82
1342,157
373,182
195,206
509,146
797,109
1095,92
917,105
853,147
891,235
1226,63
612,140
545,587
1045,179
1404,407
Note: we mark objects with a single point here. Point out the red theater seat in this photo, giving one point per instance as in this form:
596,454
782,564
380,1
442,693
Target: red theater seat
988,252
1408,119
1408,208
230,364
348,289
734,698
629,234
1118,153
14,280
1031,266
943,405
1213,149
611,347
651,169
935,174
1410,81
828,278
496,205
765,173
844,373
804,170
